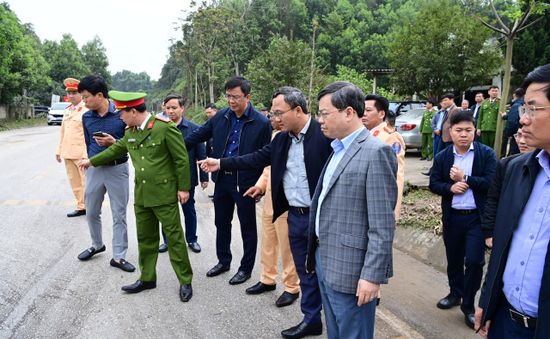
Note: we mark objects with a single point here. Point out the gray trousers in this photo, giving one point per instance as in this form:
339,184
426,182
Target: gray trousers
114,181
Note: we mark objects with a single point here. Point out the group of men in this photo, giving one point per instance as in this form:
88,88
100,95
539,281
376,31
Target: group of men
334,199
499,205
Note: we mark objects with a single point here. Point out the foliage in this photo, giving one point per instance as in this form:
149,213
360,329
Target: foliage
360,79
437,53
6,125
95,57
127,81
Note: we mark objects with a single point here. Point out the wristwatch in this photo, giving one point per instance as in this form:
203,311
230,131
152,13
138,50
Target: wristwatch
465,177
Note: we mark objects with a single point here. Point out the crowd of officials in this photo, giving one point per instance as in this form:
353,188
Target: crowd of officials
332,185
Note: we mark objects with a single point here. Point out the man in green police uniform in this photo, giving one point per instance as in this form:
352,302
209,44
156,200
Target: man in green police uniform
487,118
162,178
427,132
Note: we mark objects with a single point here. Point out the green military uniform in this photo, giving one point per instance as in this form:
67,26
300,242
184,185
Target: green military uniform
427,134
487,121
161,165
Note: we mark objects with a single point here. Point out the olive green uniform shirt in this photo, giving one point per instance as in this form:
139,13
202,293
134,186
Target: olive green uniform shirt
488,115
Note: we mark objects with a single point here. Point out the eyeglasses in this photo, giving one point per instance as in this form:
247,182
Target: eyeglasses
324,115
233,97
278,114
518,135
530,110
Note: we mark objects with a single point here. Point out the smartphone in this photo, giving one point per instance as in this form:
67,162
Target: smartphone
99,134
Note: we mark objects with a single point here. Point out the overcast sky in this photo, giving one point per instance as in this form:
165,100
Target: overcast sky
136,33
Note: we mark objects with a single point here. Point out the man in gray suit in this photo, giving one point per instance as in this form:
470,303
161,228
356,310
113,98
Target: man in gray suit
351,220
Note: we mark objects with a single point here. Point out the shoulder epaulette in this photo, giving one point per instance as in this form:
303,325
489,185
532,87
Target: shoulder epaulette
163,119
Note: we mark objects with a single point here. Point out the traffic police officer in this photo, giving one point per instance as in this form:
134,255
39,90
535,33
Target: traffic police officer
487,118
72,147
162,178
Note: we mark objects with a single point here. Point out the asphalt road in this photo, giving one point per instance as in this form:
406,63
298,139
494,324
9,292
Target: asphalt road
45,292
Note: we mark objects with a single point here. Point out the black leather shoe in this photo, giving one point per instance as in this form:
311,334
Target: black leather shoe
449,301
139,286
469,316
76,213
186,292
195,247
123,265
217,270
163,248
260,288
239,278
90,252
286,299
302,329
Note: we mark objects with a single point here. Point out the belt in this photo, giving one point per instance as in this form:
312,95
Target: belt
522,319
465,212
299,210
116,162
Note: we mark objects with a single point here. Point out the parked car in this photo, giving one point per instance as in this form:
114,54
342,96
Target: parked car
408,125
55,115
400,107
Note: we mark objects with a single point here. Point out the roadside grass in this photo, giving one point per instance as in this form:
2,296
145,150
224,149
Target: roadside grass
8,124
420,209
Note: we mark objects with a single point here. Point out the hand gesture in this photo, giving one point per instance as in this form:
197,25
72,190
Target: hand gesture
482,330
459,187
456,174
183,196
58,158
253,192
106,141
84,164
366,292
209,165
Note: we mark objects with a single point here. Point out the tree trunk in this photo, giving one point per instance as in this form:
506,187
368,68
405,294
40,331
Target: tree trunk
211,84
196,90
504,94
312,70
237,71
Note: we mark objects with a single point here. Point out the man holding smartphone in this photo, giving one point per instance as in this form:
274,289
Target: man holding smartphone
102,128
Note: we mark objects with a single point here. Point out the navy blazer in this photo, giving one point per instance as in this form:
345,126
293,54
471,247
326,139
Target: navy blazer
483,170
519,179
194,153
317,149
256,133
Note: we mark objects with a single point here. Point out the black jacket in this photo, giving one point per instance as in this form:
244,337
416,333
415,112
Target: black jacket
483,170
255,134
516,189
317,149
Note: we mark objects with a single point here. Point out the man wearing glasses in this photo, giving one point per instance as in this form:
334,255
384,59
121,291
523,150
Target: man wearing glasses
515,297
236,130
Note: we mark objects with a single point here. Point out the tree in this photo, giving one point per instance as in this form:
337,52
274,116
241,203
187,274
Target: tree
433,54
128,81
95,57
284,63
509,22
22,67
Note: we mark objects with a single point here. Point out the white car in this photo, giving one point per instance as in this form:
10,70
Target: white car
55,115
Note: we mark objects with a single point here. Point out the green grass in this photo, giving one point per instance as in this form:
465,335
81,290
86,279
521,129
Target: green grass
420,209
6,124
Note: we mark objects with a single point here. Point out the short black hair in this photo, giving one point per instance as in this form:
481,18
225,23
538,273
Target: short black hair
238,82
140,108
448,96
493,86
211,105
94,84
483,95
519,92
539,75
180,99
466,115
345,94
431,102
380,102
293,97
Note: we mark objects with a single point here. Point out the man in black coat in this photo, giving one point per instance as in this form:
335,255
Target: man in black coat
515,297
462,174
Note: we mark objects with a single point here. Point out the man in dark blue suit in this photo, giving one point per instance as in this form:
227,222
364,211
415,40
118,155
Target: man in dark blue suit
236,130
462,174
297,156
174,109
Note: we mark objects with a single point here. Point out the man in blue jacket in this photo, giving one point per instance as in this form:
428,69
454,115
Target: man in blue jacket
515,297
462,174
236,130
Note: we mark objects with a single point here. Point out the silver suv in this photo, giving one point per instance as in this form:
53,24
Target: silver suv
55,115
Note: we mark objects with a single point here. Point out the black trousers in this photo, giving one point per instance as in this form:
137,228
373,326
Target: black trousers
465,247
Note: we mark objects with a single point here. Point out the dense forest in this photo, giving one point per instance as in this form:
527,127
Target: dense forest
431,46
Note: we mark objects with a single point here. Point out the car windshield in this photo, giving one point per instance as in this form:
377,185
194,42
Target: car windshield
412,114
393,106
60,105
